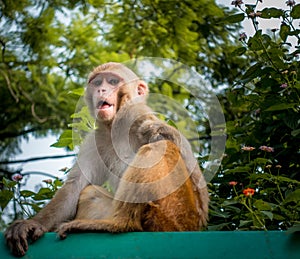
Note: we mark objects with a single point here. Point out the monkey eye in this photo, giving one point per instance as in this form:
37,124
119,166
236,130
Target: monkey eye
97,82
114,81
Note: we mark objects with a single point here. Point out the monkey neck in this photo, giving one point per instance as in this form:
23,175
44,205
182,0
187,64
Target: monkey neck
104,125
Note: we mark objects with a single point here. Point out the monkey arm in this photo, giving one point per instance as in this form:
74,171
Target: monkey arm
153,130
61,208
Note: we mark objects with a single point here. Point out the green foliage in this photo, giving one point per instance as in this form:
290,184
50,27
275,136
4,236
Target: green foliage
262,110
48,48
28,202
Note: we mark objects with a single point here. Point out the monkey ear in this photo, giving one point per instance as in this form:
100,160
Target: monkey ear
142,88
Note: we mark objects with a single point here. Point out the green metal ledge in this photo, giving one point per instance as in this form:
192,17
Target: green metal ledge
238,244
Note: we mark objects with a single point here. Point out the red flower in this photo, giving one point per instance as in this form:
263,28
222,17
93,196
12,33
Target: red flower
248,192
233,183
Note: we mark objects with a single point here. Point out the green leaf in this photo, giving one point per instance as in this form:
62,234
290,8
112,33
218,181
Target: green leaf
57,183
239,51
295,13
5,198
262,161
272,12
293,229
65,140
281,106
229,202
295,133
262,205
26,193
8,183
268,214
293,197
287,180
245,223
235,18
77,91
252,73
284,31
219,226
43,194
239,169
259,41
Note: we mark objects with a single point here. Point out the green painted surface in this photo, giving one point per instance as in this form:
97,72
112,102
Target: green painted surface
242,245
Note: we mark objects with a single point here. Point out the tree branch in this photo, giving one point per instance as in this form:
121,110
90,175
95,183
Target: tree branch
35,159
17,134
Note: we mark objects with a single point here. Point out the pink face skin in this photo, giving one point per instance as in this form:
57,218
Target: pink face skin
104,89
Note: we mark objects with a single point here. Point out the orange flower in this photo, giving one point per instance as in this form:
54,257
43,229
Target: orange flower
248,192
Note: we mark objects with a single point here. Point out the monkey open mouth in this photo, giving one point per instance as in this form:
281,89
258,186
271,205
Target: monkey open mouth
103,105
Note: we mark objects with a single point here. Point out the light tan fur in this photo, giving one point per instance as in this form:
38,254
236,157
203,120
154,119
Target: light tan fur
156,182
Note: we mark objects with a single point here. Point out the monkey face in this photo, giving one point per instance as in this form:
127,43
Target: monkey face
103,89
110,86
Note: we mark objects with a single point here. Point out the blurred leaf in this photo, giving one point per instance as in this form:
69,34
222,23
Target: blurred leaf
268,214
293,197
262,205
253,72
284,31
281,106
259,41
78,91
26,193
293,229
8,183
235,18
43,194
65,140
239,169
240,51
5,197
295,133
295,13
272,12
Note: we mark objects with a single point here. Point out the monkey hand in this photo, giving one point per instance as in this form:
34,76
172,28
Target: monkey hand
160,131
19,232
72,226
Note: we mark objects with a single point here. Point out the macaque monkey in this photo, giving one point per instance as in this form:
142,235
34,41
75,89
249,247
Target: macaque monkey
156,182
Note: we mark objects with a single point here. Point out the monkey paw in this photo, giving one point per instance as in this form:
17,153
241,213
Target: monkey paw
17,234
64,229
159,131
72,226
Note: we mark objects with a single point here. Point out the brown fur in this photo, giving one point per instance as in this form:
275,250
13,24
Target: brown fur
156,182
174,212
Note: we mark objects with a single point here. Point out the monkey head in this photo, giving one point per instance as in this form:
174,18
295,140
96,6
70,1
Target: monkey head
109,87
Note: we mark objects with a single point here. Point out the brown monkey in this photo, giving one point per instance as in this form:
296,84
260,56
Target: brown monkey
156,182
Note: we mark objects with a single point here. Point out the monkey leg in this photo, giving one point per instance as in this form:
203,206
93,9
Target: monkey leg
155,194
159,181
94,203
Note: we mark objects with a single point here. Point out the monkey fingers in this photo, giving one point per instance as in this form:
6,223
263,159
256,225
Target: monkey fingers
18,233
72,226
159,131
82,225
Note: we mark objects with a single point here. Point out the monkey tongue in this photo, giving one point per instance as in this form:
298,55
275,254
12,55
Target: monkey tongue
102,105
105,106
